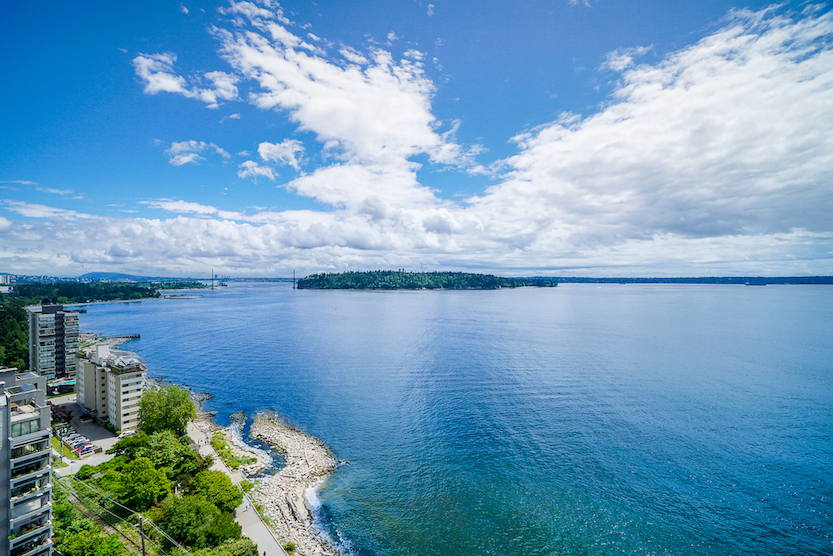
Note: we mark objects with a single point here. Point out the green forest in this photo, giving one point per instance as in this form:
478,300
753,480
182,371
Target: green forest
395,280
14,323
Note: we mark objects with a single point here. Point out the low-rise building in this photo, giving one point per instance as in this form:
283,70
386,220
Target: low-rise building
109,384
25,465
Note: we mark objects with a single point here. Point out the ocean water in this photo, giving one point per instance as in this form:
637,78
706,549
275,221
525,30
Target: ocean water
583,420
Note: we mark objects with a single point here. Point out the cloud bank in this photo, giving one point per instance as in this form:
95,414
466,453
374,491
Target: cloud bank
718,159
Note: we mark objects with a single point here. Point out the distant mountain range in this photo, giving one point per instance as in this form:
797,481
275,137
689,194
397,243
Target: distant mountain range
116,277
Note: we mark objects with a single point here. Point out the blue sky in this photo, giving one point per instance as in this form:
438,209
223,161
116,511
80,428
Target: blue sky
602,138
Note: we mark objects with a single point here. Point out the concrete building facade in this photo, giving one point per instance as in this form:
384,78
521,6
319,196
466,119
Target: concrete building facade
25,465
109,384
53,342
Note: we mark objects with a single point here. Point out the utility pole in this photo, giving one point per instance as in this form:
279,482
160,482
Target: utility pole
142,533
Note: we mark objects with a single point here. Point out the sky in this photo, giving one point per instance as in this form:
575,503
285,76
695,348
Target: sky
533,138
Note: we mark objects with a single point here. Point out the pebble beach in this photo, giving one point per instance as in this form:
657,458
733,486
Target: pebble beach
308,461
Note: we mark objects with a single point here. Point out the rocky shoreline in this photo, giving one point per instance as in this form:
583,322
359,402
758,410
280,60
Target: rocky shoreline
308,461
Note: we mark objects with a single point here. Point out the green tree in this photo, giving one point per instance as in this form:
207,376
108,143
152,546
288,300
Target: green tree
89,542
169,407
239,547
128,445
164,449
110,546
14,335
142,485
216,487
80,544
194,521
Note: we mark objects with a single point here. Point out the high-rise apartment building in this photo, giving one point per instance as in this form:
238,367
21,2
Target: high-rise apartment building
53,341
110,383
25,465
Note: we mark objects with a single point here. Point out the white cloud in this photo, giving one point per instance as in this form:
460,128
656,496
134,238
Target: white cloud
725,138
187,152
251,169
716,159
20,182
285,152
373,114
414,54
62,192
353,56
157,71
183,9
620,60
33,210
430,9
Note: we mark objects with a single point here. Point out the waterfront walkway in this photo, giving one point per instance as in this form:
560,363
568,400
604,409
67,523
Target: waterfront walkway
245,515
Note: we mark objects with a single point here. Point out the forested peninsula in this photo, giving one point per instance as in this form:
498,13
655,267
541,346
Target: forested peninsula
397,280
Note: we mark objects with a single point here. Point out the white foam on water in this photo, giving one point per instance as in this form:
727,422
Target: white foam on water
316,508
235,431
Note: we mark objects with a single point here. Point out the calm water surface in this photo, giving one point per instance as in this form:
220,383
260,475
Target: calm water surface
586,419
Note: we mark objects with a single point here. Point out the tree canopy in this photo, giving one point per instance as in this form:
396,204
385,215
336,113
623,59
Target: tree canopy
142,485
216,487
166,408
395,280
194,521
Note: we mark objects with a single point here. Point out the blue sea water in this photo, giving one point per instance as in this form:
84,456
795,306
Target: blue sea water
582,420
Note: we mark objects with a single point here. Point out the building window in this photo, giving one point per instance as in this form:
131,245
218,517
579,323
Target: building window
26,427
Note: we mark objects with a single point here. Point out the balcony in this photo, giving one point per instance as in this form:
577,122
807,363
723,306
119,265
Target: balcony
29,510
22,536
33,548
27,491
26,456
30,469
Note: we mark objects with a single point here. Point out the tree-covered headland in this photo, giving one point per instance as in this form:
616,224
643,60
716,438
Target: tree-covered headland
395,280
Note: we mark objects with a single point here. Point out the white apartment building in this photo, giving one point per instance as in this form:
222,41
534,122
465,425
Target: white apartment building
25,465
53,341
109,384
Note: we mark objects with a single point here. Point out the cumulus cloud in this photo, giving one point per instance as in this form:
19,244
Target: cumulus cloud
727,137
285,152
188,152
715,159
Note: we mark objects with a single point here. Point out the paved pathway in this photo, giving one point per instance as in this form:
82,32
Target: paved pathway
245,515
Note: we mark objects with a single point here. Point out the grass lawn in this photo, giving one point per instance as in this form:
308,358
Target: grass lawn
62,449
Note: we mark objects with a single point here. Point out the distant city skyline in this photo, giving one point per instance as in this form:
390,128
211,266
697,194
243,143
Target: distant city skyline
567,138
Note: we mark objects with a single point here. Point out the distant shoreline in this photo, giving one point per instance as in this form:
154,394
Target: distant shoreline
730,280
